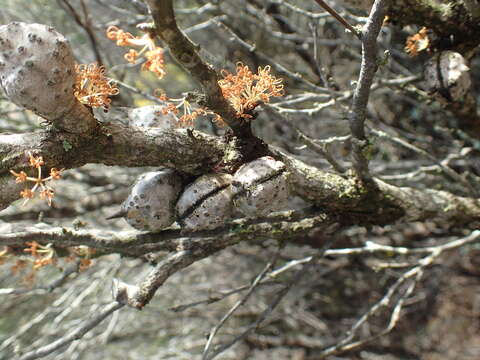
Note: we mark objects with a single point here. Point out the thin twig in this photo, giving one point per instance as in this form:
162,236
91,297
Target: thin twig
85,24
256,282
322,150
186,53
268,59
299,10
339,18
279,296
361,94
138,91
447,170
76,334
70,269
215,298
39,319
348,343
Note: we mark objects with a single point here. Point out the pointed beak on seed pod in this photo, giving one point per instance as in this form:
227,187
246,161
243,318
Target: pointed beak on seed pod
119,214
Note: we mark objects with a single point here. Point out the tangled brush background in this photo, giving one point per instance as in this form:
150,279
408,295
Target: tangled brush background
375,254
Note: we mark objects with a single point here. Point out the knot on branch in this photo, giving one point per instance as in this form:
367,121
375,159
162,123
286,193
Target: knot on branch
124,293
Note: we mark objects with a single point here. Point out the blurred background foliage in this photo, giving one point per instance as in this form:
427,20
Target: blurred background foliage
441,321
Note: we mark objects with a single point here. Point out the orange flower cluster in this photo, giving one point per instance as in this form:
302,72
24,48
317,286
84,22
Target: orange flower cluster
46,192
43,255
190,114
153,53
418,42
246,90
84,254
92,87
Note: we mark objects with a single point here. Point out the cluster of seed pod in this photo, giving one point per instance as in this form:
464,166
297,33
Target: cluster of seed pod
157,200
37,72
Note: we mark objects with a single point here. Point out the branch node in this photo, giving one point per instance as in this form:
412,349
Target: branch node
124,293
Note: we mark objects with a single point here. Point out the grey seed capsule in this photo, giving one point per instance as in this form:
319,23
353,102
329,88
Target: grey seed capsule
151,203
206,203
260,187
448,76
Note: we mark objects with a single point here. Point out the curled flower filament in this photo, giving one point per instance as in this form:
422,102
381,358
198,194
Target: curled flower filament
39,183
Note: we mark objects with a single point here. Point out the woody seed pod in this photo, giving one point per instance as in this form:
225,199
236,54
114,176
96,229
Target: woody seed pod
146,117
448,76
151,203
37,72
152,116
206,203
260,187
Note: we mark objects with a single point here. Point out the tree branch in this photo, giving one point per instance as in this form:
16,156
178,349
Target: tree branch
114,144
306,267
338,17
361,94
415,275
456,24
185,52
76,334
284,226
386,205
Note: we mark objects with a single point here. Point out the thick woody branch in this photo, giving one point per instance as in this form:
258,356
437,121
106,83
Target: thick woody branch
384,206
113,144
139,295
340,197
172,264
338,17
194,152
285,226
455,22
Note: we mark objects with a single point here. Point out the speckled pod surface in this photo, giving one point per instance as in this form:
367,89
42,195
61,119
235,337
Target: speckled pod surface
37,69
448,76
260,187
206,203
151,203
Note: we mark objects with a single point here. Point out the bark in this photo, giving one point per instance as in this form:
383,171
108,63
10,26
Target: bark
186,53
194,152
114,144
455,22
